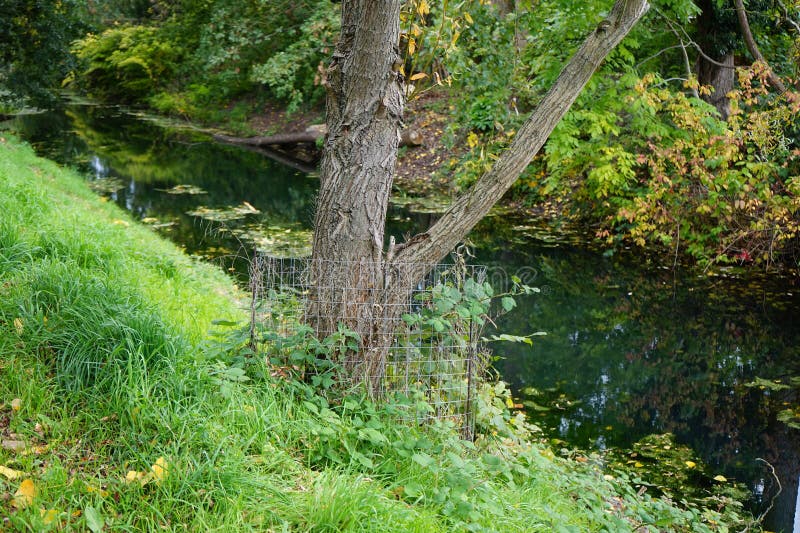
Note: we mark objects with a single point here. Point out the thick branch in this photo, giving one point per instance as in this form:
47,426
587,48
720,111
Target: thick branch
408,137
471,207
752,46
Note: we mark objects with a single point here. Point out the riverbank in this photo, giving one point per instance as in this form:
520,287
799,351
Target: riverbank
119,410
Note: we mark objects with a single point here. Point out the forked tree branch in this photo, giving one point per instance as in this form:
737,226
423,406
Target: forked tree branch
467,210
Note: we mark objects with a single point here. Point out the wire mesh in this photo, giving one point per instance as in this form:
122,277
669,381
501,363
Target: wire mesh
429,360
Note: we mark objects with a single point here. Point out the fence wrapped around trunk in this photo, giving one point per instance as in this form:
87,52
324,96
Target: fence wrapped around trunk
433,355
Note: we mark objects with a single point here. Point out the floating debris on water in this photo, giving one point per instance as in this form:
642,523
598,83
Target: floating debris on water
106,185
184,189
224,214
277,240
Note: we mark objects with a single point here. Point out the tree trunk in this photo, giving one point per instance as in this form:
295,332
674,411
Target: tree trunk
354,284
715,68
364,108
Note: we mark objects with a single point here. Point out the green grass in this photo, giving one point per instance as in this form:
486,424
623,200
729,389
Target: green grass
104,343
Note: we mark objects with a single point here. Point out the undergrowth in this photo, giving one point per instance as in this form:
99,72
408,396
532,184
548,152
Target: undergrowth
118,411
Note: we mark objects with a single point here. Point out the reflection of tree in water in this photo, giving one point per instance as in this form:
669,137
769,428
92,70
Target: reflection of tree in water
149,159
642,352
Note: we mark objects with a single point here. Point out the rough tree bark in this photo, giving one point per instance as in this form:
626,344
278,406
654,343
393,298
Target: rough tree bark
354,281
714,69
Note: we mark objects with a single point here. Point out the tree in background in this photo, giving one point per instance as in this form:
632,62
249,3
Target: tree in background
34,49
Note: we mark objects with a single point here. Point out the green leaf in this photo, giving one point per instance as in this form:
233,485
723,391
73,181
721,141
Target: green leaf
94,521
412,490
224,323
423,459
508,303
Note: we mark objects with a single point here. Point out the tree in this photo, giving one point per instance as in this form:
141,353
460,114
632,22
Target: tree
34,49
717,40
356,281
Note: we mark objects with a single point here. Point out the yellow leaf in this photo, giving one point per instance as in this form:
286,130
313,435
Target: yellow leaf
24,495
119,222
412,46
637,464
468,18
160,469
10,474
48,516
92,489
690,464
418,76
16,404
608,477
720,478
423,8
18,326
133,475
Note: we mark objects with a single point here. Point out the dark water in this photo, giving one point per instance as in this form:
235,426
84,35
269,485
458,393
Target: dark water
632,348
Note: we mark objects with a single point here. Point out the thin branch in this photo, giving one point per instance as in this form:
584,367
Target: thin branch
687,64
780,489
752,46
691,42
663,50
682,46
786,16
666,81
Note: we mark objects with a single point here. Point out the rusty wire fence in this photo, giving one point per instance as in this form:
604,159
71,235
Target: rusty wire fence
431,363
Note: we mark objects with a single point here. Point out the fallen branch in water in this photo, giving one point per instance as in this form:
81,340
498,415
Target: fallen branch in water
408,137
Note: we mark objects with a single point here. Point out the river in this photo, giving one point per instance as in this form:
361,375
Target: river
633,347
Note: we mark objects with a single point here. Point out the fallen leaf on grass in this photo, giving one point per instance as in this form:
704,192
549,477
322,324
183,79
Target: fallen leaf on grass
13,445
158,471
24,495
48,516
92,489
133,475
9,473
16,404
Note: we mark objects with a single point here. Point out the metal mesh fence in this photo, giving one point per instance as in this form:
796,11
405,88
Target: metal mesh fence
431,354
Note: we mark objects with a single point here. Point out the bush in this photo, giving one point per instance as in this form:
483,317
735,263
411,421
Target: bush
126,64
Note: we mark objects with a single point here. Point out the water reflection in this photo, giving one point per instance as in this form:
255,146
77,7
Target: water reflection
635,349
137,164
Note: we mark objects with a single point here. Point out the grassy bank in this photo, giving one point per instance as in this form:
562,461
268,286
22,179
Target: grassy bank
119,412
